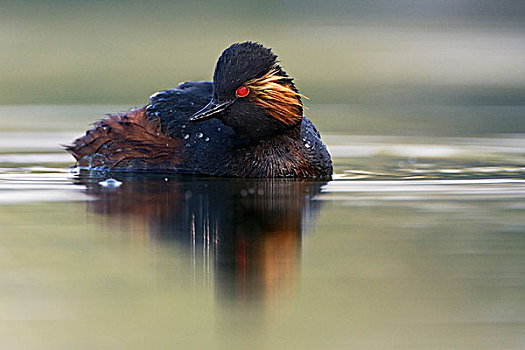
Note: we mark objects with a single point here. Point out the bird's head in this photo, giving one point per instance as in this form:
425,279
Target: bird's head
252,94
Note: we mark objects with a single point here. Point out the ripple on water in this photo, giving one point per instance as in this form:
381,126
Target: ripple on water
423,190
39,184
392,167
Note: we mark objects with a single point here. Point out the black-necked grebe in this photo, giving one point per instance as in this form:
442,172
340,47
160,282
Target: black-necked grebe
248,122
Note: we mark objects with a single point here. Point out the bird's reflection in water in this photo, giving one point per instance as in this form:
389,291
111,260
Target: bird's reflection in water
248,230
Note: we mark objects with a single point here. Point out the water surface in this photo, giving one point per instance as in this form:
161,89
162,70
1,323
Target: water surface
417,243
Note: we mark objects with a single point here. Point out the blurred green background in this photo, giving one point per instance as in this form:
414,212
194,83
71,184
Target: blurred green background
375,64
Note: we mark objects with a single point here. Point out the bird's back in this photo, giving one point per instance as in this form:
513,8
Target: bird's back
157,136
205,145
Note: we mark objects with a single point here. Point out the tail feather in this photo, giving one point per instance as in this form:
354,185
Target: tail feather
126,140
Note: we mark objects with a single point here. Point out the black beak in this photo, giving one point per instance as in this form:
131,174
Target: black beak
210,111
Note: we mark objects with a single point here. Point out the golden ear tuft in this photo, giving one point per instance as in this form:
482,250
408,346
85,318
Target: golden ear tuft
272,92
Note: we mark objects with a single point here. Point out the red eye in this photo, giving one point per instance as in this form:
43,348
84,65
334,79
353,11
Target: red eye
242,91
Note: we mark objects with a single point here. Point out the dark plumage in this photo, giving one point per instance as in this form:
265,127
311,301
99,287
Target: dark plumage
247,123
